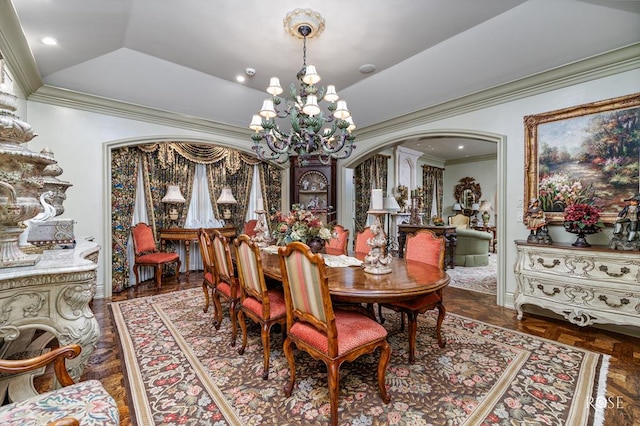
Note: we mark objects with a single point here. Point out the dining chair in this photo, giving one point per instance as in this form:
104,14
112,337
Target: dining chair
360,244
265,306
146,253
313,326
209,271
424,247
338,242
226,283
249,227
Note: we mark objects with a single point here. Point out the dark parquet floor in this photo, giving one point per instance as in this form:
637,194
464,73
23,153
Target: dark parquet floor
623,387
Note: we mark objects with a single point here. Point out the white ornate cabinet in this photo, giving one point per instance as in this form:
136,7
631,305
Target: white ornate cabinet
585,285
50,299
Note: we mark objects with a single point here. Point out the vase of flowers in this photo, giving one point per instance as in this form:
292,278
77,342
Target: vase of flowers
300,225
582,219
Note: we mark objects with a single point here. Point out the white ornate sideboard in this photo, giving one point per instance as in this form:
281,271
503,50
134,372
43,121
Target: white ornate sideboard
585,285
49,299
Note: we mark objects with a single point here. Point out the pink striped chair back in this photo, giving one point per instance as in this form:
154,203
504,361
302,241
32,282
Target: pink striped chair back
222,256
424,246
249,267
206,252
306,288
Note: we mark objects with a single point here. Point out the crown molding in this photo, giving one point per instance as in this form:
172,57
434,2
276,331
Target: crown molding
464,160
604,65
14,47
81,101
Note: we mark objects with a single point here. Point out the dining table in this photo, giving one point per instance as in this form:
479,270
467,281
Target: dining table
351,284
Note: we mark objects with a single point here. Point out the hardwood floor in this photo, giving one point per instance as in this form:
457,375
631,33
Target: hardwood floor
623,385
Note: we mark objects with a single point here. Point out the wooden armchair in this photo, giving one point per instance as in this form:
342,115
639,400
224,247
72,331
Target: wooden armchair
314,327
85,403
264,306
338,244
425,247
226,284
147,253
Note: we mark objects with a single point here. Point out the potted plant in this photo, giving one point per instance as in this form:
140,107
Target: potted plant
582,219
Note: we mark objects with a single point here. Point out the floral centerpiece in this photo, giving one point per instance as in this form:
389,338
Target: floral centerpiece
582,219
299,225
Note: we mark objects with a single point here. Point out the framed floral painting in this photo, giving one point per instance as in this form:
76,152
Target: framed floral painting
584,154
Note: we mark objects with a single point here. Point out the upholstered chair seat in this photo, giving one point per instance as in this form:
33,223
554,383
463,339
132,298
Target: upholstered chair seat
472,247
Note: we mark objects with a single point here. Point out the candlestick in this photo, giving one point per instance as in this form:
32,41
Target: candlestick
260,204
376,199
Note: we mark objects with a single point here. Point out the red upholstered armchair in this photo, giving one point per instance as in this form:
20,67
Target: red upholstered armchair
425,247
314,327
148,254
264,306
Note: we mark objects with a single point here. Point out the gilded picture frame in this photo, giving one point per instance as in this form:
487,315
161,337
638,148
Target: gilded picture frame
586,154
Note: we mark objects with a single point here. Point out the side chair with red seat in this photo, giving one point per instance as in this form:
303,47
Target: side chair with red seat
360,244
226,283
249,227
147,253
425,247
338,243
209,272
263,305
313,326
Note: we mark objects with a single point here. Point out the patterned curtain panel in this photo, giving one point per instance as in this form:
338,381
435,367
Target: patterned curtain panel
173,163
370,174
236,173
270,184
124,166
432,184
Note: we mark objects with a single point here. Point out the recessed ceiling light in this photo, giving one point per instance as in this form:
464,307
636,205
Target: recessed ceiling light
460,146
367,68
240,78
49,41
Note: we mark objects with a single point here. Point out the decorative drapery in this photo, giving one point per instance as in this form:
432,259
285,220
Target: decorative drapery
370,174
124,171
166,163
432,180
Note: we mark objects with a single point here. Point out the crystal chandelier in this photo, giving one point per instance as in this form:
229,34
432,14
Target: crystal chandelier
312,133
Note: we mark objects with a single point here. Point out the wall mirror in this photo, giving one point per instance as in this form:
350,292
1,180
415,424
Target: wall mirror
467,193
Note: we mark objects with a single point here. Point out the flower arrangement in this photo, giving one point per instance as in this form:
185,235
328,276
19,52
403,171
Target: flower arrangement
299,225
557,192
579,216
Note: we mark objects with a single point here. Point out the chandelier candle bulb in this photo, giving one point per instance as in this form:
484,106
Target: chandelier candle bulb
274,86
311,76
331,95
376,199
311,107
268,111
256,123
342,112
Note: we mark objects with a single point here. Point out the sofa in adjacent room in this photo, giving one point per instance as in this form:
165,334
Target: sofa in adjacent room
472,248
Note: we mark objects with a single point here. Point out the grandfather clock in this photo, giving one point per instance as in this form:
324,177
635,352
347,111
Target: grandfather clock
314,187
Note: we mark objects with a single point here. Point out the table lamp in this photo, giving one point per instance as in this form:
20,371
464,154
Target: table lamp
485,208
172,198
226,198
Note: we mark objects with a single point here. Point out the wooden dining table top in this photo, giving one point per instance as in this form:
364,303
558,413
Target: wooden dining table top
407,280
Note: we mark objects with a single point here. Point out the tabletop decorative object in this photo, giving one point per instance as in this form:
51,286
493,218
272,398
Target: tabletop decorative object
261,238
582,219
300,225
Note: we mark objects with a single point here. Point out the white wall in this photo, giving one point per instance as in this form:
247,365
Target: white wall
77,138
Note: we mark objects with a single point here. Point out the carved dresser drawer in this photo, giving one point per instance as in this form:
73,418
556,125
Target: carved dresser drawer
586,286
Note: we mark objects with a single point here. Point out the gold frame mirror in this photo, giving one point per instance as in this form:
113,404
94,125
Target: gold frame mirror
467,192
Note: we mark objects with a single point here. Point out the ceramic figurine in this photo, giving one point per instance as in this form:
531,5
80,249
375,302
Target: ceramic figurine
536,222
625,229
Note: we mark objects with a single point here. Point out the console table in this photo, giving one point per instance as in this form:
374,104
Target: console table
585,285
187,235
47,300
450,240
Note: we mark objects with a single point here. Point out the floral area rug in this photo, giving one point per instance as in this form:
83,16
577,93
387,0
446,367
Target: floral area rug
180,370
482,279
